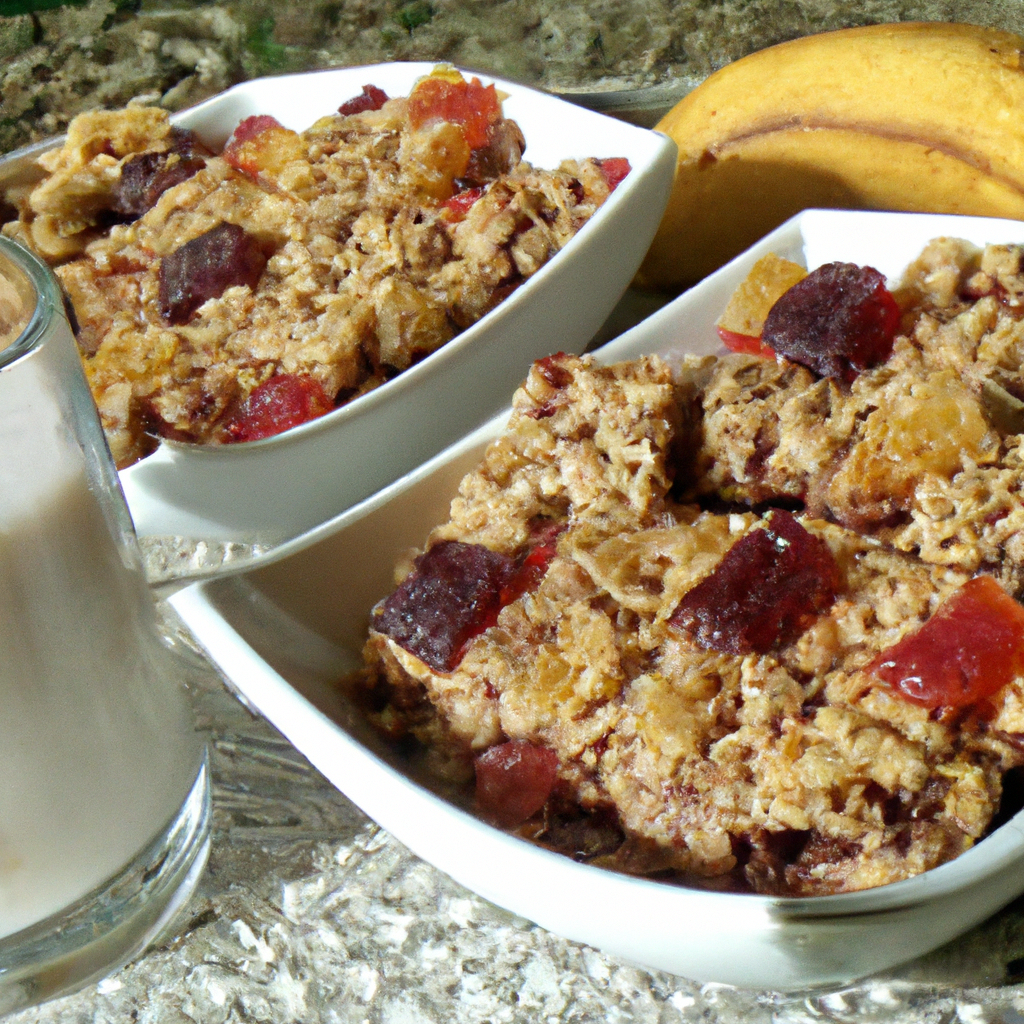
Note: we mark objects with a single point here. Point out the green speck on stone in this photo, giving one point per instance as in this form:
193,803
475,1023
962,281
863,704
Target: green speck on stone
16,36
411,15
269,54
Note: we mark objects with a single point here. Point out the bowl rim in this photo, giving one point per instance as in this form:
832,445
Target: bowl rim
23,159
903,893
217,611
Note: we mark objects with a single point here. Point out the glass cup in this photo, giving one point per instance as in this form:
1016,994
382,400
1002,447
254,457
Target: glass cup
104,796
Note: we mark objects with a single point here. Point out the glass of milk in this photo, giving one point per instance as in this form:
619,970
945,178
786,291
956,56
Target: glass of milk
104,801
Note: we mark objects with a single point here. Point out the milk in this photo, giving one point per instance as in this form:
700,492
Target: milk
97,746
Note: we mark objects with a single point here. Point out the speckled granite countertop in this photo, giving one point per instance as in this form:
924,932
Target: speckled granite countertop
89,53
308,911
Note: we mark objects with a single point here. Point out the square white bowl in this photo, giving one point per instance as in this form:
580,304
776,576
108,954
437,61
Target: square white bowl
270,490
285,632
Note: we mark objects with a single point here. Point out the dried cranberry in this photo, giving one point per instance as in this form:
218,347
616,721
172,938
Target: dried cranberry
249,127
205,268
459,204
514,781
551,369
765,592
278,404
371,98
970,648
470,104
614,169
452,594
532,569
243,151
145,178
839,320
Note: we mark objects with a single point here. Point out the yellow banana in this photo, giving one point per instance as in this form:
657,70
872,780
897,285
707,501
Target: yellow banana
912,116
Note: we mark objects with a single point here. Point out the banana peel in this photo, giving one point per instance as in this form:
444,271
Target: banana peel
919,116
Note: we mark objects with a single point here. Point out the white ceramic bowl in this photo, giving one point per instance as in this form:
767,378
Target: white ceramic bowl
268,491
284,632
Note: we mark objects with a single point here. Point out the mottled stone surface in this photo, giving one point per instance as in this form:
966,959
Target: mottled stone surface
55,63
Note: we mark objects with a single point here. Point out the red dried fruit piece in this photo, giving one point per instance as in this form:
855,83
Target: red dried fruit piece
249,127
145,178
470,104
452,594
237,151
205,268
614,169
459,204
552,370
532,569
967,651
545,532
278,404
371,98
745,343
765,592
839,320
262,145
456,590
514,781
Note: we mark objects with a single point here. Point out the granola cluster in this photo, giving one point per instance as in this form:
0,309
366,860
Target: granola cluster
700,585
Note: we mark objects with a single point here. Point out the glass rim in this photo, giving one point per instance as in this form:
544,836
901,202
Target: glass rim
48,300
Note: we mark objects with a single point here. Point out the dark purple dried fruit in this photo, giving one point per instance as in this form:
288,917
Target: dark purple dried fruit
839,320
452,594
766,591
552,370
146,176
206,267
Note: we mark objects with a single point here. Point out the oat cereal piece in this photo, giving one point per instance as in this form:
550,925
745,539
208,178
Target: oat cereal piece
794,771
370,240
